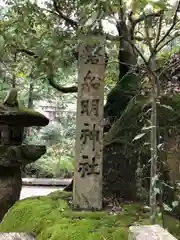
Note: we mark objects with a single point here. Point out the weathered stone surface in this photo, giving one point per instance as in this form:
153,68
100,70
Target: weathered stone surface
10,188
10,135
13,119
11,159
21,116
16,236
151,232
87,192
20,155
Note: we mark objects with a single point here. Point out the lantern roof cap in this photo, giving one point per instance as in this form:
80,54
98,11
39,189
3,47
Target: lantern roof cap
11,113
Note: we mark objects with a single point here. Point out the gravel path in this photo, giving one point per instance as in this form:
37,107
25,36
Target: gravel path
29,191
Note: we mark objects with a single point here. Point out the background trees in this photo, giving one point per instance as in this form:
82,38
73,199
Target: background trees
38,46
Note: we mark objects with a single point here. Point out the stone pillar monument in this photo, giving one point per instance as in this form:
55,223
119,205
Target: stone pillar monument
87,189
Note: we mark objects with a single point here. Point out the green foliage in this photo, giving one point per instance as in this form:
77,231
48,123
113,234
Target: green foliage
50,217
53,164
29,28
58,161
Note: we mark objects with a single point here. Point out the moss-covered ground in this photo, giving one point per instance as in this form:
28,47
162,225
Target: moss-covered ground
50,217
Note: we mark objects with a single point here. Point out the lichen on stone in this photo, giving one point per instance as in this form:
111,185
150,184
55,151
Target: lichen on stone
20,155
22,116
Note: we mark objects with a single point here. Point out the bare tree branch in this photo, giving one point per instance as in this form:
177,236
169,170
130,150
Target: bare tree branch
141,55
156,49
167,42
159,27
145,16
121,10
171,28
117,38
147,35
50,73
50,11
151,64
68,20
72,89
26,51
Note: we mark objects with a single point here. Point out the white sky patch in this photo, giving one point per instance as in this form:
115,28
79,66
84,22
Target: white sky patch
2,3
109,27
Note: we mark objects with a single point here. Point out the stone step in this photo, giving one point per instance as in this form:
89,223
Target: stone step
149,232
46,181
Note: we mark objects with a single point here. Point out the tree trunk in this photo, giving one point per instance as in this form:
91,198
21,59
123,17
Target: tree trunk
119,178
153,145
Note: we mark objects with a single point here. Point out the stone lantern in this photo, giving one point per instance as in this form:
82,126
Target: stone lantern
14,155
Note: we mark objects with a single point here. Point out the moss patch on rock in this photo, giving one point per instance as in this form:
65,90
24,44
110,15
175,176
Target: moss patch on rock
120,157
50,217
22,116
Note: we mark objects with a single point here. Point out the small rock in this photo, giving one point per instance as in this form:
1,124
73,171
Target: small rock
17,236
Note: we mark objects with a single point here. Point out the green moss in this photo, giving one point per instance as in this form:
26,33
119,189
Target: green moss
51,218
21,109
23,115
29,111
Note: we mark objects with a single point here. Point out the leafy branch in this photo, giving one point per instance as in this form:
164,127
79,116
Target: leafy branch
50,73
155,82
